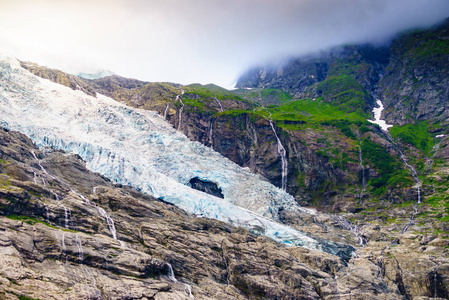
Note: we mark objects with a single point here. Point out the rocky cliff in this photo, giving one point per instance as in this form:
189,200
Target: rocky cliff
70,234
392,187
415,86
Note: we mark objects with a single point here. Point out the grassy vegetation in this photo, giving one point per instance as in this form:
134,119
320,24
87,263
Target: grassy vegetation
302,113
26,298
432,49
312,112
32,221
211,91
391,174
344,92
265,96
416,135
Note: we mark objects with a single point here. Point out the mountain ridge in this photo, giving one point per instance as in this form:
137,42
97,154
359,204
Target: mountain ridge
391,187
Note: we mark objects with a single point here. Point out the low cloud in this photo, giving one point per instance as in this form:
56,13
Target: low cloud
202,41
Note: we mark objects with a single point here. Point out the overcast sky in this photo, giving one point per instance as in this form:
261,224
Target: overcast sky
187,41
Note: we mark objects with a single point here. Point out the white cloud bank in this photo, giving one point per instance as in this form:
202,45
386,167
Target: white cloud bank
190,41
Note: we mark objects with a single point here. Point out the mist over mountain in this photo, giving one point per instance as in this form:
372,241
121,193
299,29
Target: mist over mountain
197,41
323,177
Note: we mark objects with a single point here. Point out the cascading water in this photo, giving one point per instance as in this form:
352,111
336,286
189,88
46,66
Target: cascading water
171,276
63,246
283,154
384,126
437,142
188,291
166,111
362,190
104,214
42,168
79,245
178,97
347,225
67,214
211,141
109,221
414,175
219,103
435,281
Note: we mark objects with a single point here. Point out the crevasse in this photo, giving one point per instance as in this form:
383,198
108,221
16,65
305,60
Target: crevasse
140,149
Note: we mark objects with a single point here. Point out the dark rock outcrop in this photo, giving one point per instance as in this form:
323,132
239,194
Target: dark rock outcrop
208,187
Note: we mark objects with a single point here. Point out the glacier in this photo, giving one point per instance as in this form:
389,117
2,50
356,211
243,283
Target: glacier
138,148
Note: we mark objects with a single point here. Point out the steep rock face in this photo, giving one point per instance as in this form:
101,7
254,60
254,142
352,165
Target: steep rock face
71,81
338,76
59,223
136,93
416,82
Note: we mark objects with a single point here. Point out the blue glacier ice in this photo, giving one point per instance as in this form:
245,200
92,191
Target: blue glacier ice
140,149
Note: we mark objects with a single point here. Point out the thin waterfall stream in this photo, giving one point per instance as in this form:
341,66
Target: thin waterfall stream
211,141
283,154
166,111
362,190
67,213
171,276
384,126
219,103
178,97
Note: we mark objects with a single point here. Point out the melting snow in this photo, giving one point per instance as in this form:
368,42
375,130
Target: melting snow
377,111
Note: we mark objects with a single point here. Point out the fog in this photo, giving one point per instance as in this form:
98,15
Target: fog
187,41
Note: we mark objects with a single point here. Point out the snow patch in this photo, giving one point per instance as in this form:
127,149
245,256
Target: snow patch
377,111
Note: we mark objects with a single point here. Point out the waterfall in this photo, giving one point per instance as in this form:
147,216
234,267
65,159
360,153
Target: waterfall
79,245
435,282
104,214
166,110
418,189
67,215
64,249
362,190
109,221
40,165
414,175
188,291
211,141
171,274
435,150
219,103
47,213
347,225
283,154
178,97
415,178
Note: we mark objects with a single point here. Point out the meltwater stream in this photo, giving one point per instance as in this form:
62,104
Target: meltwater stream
140,149
284,161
